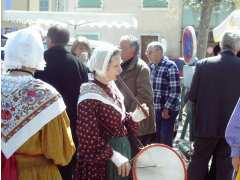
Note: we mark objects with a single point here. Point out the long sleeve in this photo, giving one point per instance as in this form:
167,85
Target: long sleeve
131,126
92,145
174,88
194,85
233,131
144,91
57,142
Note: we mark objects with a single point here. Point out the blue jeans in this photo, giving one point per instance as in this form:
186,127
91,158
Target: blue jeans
165,128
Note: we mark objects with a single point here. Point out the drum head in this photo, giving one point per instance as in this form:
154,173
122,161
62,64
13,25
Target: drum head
158,161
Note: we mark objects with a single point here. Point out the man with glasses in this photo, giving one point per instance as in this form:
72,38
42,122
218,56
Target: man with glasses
166,87
136,74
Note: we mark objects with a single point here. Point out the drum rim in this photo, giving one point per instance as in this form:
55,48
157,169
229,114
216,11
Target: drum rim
156,145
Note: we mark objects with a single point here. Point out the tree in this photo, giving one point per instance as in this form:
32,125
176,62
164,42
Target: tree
207,7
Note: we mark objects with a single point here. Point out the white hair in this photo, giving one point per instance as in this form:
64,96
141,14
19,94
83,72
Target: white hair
158,44
132,40
230,41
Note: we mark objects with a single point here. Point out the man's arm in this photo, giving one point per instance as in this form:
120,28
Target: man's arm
144,92
195,85
174,88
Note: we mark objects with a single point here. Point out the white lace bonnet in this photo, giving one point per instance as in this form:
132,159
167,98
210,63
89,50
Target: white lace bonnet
25,48
100,58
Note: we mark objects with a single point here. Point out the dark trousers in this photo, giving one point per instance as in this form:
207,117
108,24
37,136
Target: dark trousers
165,128
147,139
212,171
68,170
204,149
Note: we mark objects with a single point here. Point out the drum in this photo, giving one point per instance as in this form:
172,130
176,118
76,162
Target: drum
158,161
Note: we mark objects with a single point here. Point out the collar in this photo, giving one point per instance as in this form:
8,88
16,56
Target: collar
56,48
163,61
227,52
133,63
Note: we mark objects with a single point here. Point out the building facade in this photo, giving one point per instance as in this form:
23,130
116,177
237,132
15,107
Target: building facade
108,20
155,19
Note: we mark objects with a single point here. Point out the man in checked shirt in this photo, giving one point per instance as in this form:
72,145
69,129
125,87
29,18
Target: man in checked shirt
166,87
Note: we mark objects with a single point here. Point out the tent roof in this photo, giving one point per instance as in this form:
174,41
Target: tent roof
231,23
74,19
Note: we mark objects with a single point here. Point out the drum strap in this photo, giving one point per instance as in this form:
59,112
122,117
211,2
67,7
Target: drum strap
136,144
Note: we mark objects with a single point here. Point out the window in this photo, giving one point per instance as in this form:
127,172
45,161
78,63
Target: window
155,3
89,3
43,5
7,4
92,36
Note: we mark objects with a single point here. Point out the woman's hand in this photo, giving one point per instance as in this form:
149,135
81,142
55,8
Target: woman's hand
122,163
138,115
124,169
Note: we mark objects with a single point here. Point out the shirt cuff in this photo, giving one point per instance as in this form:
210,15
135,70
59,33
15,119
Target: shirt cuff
118,159
138,115
235,152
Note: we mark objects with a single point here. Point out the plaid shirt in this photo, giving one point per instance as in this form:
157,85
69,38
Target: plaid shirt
166,85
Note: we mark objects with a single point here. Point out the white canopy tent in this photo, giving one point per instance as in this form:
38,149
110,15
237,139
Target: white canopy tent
75,19
231,23
109,26
93,43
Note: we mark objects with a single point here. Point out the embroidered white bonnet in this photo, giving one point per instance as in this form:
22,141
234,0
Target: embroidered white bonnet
100,59
25,48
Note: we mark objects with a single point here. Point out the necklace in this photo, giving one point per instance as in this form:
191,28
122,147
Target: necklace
21,70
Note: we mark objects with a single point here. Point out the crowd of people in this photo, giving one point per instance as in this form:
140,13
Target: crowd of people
67,115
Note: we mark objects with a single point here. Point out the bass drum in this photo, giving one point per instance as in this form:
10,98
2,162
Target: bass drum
158,162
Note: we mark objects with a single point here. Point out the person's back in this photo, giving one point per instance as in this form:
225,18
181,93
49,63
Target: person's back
219,89
214,92
35,126
66,74
63,71
52,145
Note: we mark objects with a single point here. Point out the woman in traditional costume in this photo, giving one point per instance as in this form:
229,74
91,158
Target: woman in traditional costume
233,138
36,135
103,124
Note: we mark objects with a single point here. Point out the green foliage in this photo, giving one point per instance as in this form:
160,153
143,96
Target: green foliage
196,4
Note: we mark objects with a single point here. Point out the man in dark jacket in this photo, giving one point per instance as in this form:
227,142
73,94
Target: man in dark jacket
64,72
214,92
